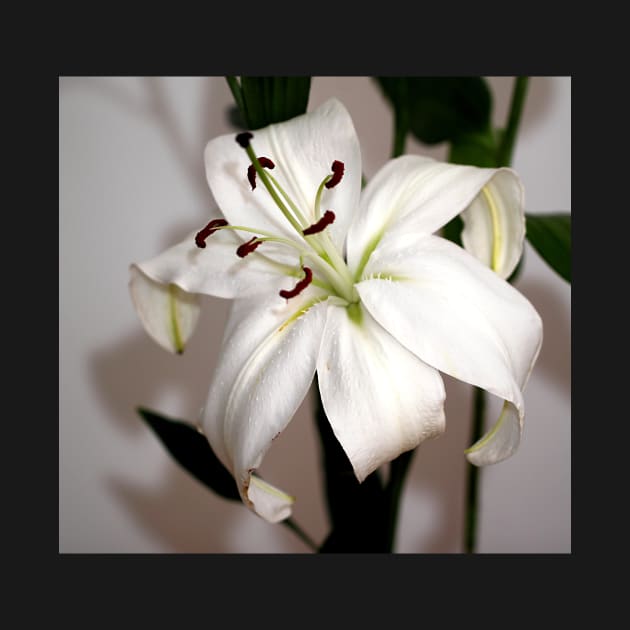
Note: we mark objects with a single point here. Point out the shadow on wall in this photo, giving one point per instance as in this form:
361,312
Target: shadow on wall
134,371
180,512
151,102
538,101
554,362
184,515
438,475
432,514
188,518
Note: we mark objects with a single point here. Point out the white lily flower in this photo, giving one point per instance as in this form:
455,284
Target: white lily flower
365,293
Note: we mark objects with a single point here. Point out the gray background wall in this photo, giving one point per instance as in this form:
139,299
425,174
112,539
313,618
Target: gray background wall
131,183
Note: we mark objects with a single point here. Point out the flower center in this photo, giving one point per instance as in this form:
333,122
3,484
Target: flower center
327,269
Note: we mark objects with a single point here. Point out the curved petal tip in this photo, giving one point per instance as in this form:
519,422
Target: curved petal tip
267,501
500,442
168,314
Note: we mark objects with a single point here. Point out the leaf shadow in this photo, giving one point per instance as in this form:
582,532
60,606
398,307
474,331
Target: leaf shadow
135,371
554,361
538,100
437,480
152,102
180,512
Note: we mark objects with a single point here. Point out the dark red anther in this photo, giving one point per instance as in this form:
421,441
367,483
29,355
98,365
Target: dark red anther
337,169
300,286
321,225
244,138
251,170
248,248
211,228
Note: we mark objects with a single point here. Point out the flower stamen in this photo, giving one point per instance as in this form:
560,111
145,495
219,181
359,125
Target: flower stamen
321,225
337,169
251,170
211,228
300,286
248,247
328,182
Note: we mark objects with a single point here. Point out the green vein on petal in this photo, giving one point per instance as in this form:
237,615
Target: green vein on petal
496,240
177,336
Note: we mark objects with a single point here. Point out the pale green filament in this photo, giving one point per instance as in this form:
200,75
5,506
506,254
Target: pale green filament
300,217
318,197
177,336
266,236
315,259
294,272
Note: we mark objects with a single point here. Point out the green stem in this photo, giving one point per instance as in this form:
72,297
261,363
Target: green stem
398,471
472,491
504,154
237,93
504,158
301,534
401,127
401,120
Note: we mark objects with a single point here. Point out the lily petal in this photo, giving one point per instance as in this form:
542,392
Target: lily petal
501,441
459,317
215,270
420,195
380,399
268,362
303,150
494,223
269,502
169,315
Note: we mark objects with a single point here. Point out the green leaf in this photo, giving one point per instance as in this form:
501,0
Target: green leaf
476,149
268,100
453,230
192,451
440,109
550,236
